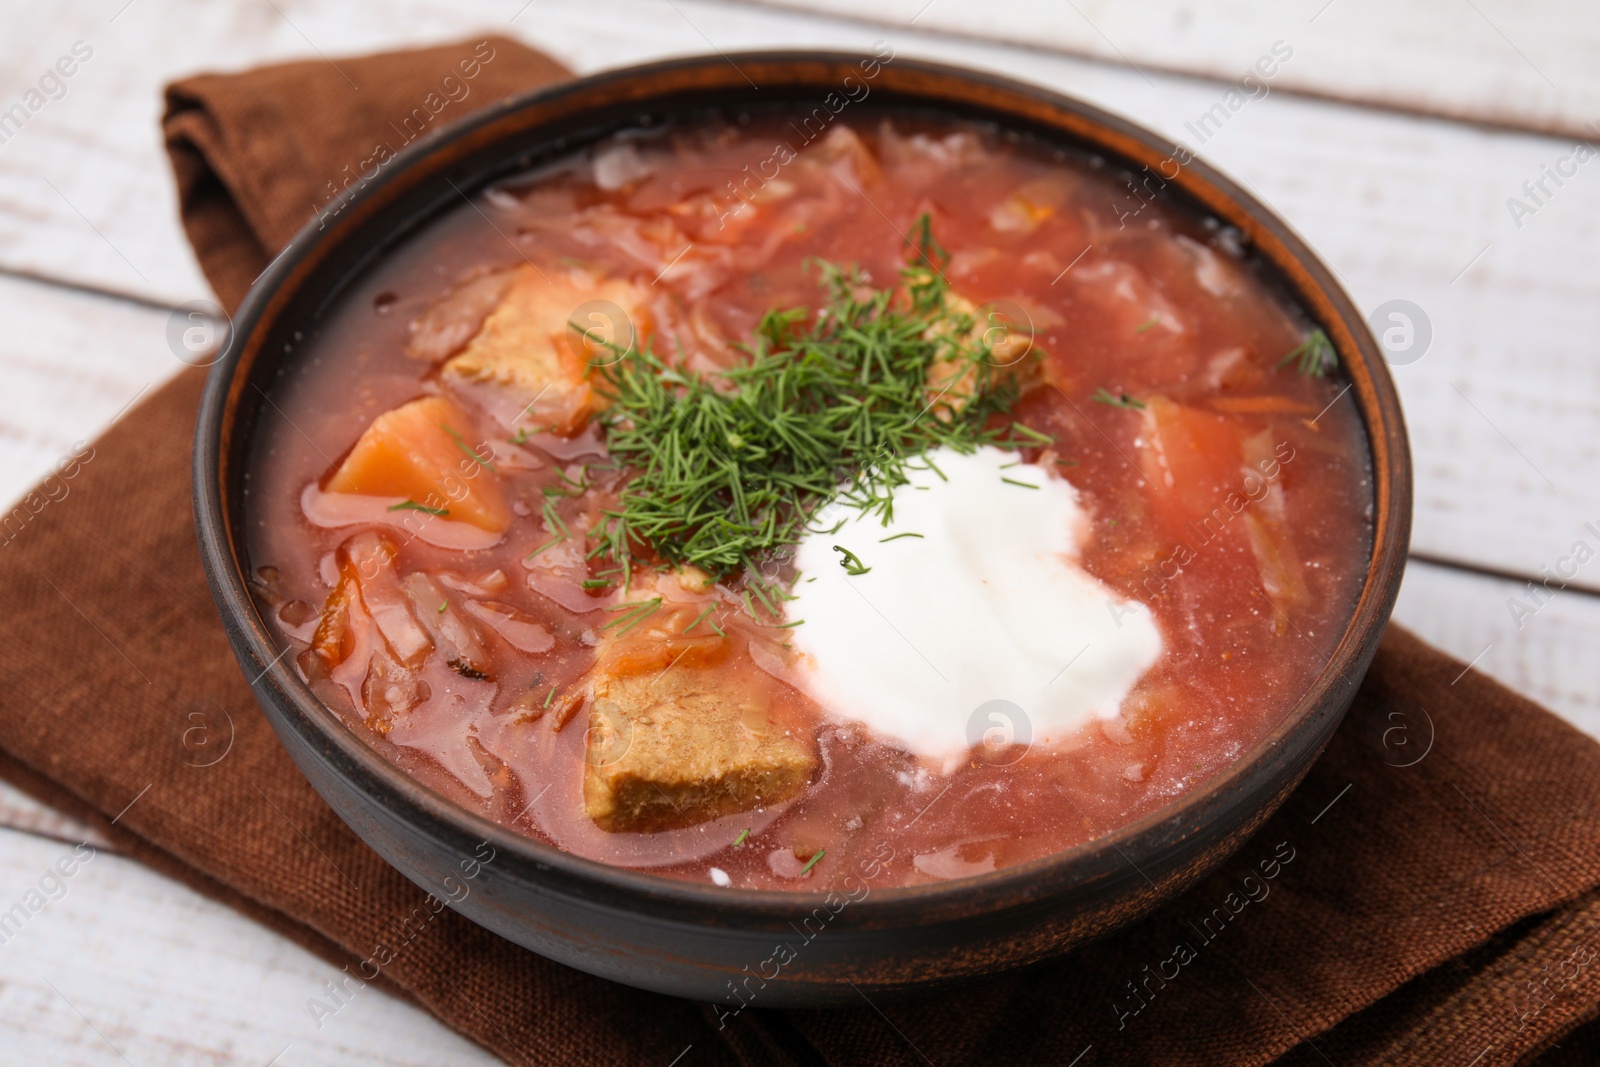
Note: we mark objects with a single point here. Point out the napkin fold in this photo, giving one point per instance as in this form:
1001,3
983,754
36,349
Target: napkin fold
1435,886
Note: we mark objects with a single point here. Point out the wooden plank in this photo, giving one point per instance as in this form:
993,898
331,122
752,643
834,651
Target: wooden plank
1399,206
124,965
1526,66
72,362
89,168
18,811
1504,406
1547,655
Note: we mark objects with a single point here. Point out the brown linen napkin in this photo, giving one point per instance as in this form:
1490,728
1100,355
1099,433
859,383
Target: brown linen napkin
257,155
1434,893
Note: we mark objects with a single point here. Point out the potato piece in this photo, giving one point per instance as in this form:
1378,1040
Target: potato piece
419,452
680,724
531,353
684,747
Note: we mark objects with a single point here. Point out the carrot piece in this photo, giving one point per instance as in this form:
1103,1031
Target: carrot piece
333,640
1261,405
421,453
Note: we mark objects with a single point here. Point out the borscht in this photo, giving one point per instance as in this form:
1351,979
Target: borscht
762,504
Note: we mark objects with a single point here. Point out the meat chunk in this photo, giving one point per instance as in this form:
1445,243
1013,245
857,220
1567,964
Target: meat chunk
683,727
685,746
537,347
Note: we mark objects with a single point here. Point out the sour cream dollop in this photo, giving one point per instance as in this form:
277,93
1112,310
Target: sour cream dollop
986,621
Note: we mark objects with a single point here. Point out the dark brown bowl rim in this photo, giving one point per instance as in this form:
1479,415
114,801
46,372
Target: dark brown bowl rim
1004,99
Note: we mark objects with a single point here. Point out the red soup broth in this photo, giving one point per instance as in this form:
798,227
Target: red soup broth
1229,492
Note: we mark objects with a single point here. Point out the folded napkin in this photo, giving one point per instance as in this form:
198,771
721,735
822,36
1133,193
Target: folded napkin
1433,895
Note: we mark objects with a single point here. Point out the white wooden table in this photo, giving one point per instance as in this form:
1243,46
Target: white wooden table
1392,139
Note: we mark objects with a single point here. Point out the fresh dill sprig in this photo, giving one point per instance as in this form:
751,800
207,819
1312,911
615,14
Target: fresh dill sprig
1315,356
635,612
1031,434
470,452
835,405
412,505
1117,400
701,617
552,521
553,542
761,598
578,487
850,561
